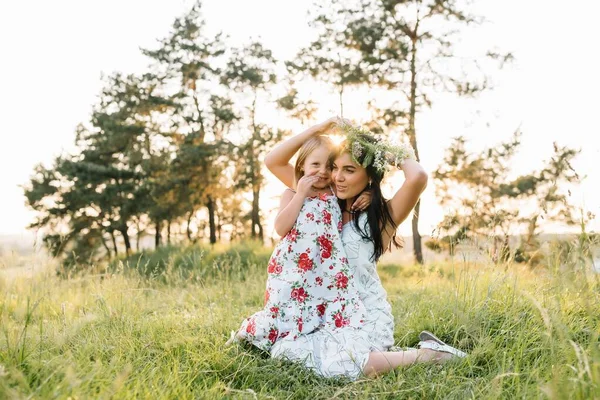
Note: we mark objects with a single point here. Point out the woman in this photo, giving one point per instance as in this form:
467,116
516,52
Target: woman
360,165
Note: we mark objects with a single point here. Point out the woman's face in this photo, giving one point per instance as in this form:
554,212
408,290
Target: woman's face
350,179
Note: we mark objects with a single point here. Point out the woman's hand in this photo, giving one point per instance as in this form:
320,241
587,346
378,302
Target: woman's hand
331,124
363,201
342,122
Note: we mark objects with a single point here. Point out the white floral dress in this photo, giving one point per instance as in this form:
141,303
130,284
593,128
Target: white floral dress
344,352
310,285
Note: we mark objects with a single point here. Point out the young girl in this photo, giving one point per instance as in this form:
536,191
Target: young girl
310,284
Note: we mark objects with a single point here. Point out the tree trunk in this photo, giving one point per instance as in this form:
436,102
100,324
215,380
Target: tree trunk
505,250
123,231
412,134
169,232
342,101
417,245
253,232
108,252
257,229
200,119
114,242
188,231
157,236
211,220
219,226
138,237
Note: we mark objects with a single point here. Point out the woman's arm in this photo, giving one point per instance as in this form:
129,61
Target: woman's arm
407,196
278,159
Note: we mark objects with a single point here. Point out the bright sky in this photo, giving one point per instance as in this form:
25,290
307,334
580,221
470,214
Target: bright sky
53,54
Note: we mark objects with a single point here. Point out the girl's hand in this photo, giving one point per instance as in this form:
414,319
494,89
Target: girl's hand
305,185
363,201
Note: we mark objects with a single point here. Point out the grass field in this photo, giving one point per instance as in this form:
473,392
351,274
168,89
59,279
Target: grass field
155,327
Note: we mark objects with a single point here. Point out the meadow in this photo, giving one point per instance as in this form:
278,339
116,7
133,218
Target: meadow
154,325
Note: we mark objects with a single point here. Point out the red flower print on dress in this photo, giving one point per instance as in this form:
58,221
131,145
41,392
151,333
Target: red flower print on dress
251,328
273,333
310,216
341,280
292,235
326,246
305,263
274,312
340,321
321,309
299,294
319,281
327,217
299,324
340,226
272,265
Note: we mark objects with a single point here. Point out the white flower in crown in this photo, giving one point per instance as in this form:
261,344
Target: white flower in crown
376,153
357,150
379,163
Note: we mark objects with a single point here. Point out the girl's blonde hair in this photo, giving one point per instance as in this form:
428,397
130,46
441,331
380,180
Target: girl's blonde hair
308,147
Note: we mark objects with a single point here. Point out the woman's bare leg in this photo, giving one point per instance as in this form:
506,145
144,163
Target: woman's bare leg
381,362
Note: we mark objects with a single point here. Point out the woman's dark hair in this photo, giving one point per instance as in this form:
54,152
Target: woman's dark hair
378,214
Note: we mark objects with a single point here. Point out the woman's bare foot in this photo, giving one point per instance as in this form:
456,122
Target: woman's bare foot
234,338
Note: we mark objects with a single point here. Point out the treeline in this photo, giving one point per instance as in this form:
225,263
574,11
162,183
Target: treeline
180,145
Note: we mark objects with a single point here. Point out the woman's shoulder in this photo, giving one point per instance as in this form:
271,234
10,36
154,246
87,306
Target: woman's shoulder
362,221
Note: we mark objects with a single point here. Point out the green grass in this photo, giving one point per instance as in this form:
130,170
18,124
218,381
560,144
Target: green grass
131,333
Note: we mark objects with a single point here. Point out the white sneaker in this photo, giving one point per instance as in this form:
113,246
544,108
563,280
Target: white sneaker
430,341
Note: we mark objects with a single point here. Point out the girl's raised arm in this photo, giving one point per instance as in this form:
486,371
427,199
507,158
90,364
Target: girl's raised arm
278,159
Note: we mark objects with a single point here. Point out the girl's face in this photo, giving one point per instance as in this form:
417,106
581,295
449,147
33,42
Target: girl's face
350,179
317,163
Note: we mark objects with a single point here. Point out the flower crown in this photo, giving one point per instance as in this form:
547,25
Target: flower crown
377,153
